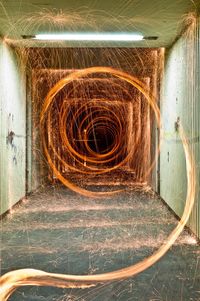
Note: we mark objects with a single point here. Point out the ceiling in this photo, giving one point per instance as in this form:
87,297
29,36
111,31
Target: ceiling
161,18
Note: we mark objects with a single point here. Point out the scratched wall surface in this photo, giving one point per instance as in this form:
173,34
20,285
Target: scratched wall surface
180,104
12,129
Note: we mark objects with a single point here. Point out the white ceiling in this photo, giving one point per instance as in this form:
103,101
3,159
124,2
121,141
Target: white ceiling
162,18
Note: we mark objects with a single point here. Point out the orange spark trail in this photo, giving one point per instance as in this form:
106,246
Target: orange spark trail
11,281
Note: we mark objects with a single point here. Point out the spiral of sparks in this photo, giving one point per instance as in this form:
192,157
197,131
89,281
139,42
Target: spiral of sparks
10,281
73,131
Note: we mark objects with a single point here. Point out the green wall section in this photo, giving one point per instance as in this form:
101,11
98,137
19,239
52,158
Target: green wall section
181,103
12,129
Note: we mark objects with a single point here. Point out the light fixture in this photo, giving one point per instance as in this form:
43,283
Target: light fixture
124,37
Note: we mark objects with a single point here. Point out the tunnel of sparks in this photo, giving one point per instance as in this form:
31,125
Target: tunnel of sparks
95,121
88,129
100,122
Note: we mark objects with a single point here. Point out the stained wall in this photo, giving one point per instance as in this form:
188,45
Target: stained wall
12,129
180,104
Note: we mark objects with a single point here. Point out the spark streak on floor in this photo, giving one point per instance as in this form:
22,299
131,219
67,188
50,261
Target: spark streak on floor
57,231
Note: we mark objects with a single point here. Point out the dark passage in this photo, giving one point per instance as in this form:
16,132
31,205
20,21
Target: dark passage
56,231
101,140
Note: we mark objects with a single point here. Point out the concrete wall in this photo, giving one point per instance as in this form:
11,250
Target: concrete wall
180,102
12,129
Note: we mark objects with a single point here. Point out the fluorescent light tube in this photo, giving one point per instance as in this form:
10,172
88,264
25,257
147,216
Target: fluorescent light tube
125,37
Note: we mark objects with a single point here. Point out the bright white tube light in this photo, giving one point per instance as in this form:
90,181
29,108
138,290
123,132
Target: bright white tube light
126,37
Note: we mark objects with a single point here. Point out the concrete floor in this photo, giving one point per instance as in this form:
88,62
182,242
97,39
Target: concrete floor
57,231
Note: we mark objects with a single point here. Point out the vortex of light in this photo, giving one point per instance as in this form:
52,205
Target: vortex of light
74,131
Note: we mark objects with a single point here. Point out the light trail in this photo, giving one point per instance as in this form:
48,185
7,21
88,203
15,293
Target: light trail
11,281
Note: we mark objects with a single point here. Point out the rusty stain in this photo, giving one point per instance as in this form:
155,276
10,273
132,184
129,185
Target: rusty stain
10,138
